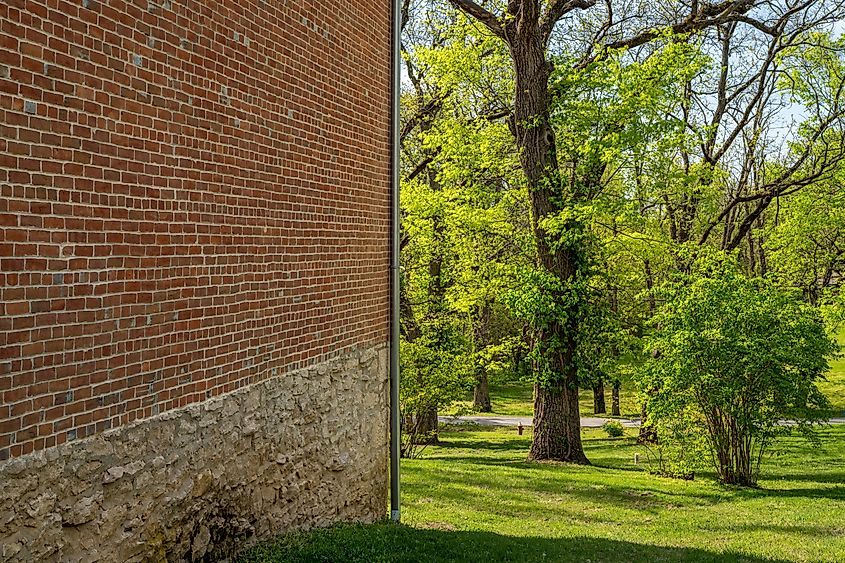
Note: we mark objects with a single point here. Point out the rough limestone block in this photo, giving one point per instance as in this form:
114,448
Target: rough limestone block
209,479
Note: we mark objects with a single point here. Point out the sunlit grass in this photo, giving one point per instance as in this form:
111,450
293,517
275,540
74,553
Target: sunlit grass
834,385
516,398
474,498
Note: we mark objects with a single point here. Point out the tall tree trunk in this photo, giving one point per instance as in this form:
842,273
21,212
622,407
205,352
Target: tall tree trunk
599,406
616,384
425,426
648,435
649,284
557,420
526,27
481,393
554,435
614,400
752,254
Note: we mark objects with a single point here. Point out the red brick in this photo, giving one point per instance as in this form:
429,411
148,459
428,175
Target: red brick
157,246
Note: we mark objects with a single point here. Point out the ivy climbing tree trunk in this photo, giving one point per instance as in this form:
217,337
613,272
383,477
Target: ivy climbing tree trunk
648,433
557,419
427,427
526,27
557,428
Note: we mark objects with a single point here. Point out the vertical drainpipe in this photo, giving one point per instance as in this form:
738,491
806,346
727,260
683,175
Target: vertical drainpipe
394,263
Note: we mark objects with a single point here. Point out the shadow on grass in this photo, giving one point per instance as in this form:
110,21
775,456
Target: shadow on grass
386,542
836,478
596,447
834,493
514,444
519,499
825,532
652,492
600,451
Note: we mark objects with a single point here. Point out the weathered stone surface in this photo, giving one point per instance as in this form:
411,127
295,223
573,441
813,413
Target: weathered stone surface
302,449
83,511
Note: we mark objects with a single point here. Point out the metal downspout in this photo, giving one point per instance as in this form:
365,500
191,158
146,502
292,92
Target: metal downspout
394,264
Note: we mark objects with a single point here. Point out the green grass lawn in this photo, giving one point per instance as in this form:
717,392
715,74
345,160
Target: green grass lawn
517,399
474,498
507,399
834,386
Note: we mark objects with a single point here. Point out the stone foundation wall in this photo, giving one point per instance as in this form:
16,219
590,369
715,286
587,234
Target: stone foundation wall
304,449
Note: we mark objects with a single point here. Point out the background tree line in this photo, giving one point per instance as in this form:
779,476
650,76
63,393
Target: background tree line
586,184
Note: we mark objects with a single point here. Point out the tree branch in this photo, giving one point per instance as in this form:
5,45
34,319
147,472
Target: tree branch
702,17
482,15
421,167
556,9
427,112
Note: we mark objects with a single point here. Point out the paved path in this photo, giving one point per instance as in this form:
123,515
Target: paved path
586,422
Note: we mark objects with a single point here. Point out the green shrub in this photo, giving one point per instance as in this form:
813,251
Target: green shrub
613,428
681,448
731,358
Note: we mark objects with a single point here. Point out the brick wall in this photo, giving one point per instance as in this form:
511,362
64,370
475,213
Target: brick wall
193,197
